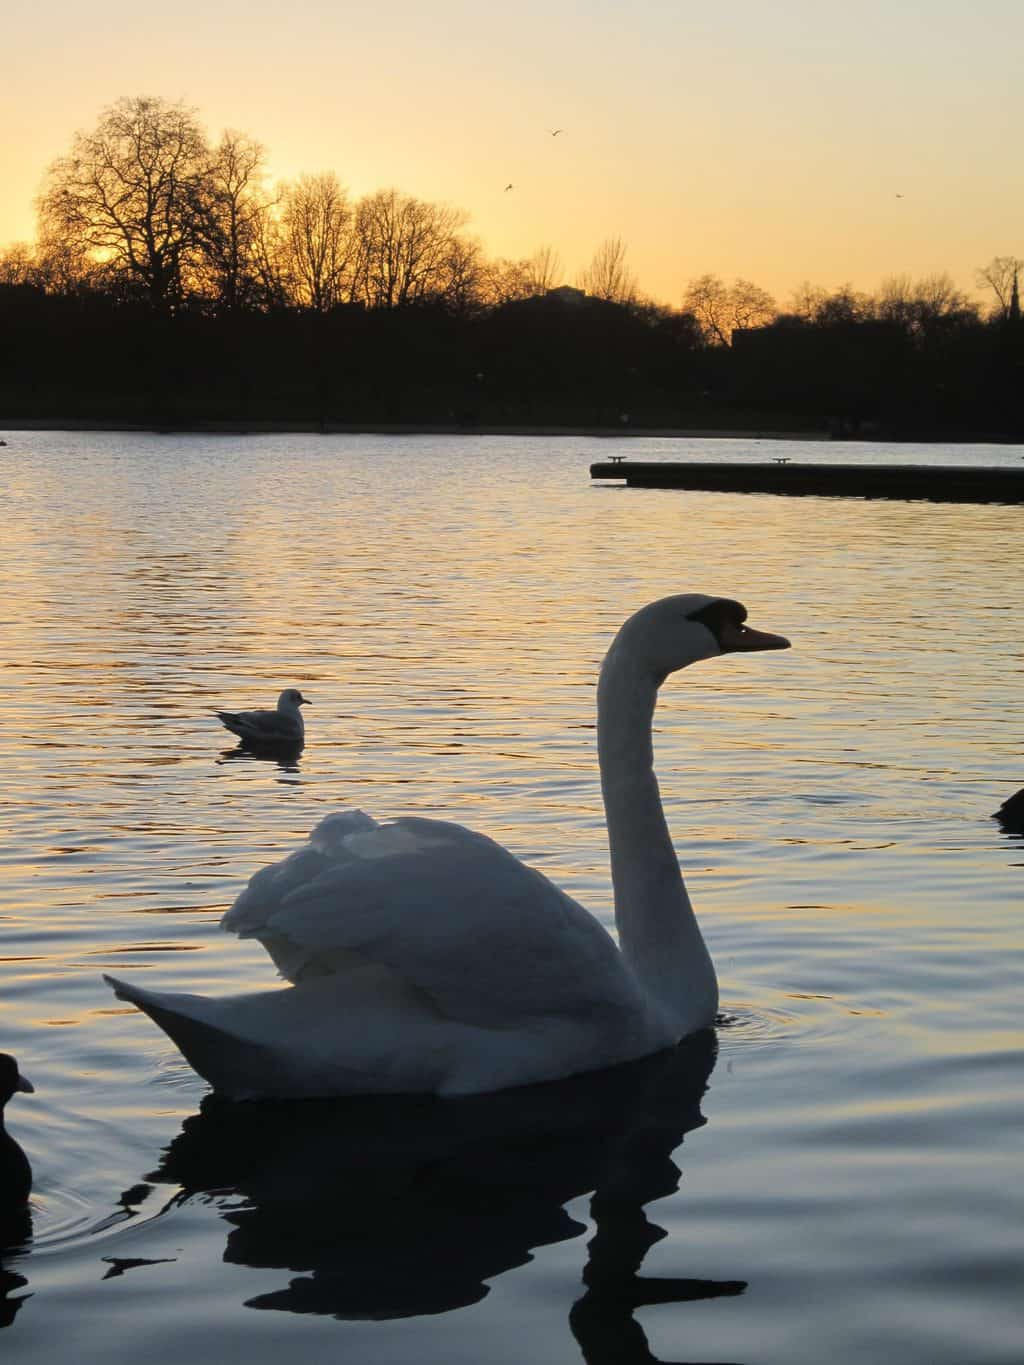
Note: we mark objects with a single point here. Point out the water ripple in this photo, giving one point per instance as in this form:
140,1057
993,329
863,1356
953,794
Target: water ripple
446,603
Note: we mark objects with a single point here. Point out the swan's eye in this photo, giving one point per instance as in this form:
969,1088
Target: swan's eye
718,616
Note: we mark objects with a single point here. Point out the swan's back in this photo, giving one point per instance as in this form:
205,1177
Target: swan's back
485,939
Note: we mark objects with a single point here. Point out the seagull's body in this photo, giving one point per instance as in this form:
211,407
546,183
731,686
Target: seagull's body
281,726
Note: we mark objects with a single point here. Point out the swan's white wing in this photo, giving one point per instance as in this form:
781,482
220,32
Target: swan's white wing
485,938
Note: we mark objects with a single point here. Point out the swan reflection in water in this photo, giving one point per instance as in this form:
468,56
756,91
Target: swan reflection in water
393,1207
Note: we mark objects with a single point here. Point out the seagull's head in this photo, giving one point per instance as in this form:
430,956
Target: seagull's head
290,699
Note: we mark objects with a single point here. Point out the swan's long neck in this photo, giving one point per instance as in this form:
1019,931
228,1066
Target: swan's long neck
658,932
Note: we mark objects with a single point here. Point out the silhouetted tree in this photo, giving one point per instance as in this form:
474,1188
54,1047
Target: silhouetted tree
18,265
750,305
804,302
707,299
809,303
65,267
267,260
844,307
316,245
606,277
233,224
406,249
461,276
503,281
720,308
1002,276
924,307
543,270
130,195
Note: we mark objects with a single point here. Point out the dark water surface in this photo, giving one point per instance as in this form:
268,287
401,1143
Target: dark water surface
849,1188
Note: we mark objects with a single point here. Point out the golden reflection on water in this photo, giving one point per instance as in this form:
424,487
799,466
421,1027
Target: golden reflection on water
446,606
433,619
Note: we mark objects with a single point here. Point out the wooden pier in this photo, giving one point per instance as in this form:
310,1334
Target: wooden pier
933,483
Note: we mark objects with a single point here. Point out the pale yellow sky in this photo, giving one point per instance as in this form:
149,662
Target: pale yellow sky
768,141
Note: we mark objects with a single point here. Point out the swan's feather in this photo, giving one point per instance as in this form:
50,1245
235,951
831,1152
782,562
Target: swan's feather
488,940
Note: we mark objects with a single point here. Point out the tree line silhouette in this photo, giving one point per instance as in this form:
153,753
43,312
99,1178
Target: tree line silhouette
169,285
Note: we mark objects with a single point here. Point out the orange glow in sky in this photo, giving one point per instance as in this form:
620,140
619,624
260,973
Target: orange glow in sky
805,140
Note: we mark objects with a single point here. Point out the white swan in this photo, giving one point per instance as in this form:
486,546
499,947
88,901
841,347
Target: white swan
282,726
426,958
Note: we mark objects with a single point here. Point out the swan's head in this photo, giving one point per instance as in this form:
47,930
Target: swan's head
291,698
667,635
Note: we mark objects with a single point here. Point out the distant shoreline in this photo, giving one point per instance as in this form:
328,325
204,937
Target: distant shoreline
298,428
262,428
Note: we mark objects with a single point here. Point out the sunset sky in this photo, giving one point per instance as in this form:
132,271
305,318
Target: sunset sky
769,141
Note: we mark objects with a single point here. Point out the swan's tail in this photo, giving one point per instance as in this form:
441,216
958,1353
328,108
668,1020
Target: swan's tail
233,1065
124,990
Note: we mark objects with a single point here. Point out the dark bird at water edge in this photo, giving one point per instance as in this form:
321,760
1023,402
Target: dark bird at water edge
1011,813
15,1172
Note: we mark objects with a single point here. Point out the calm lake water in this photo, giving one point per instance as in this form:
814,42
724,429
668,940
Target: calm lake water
849,1188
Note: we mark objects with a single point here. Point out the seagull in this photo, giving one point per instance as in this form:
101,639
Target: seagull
508,187
555,131
283,726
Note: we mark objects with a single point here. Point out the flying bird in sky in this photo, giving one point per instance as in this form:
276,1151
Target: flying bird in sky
508,187
555,131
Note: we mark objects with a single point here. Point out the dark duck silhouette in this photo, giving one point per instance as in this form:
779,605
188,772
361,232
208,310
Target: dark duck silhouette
15,1172
1011,813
